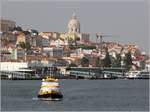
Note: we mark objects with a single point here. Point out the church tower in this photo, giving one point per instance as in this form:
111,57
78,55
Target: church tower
74,25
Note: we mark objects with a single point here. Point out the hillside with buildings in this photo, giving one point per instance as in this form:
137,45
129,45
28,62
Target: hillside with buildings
66,49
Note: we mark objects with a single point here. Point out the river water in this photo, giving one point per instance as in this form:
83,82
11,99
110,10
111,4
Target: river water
79,95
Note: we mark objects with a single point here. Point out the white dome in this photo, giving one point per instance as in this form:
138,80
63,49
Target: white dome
74,25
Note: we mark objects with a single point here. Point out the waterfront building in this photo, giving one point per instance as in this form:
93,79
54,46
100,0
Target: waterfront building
41,62
13,50
8,52
13,66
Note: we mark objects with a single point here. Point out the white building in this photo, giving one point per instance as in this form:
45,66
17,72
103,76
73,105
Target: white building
13,66
53,52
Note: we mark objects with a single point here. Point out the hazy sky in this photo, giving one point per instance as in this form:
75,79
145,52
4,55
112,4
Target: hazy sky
128,19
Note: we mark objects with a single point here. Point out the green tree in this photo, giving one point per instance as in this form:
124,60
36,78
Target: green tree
99,62
116,62
72,65
18,28
22,45
128,61
26,46
72,47
26,32
85,62
107,60
113,62
34,32
87,46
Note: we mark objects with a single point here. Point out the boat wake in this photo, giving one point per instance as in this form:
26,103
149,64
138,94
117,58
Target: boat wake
35,98
46,99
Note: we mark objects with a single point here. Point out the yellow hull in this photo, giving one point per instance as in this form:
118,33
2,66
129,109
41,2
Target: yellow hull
49,86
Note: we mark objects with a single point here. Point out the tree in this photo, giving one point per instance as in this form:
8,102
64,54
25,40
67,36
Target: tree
26,32
18,28
99,62
26,46
116,62
107,60
128,61
22,45
72,47
85,62
72,65
113,62
76,39
34,32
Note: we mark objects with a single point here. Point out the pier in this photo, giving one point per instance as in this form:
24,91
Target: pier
96,72
15,75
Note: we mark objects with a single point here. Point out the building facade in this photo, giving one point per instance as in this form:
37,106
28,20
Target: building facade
7,25
53,52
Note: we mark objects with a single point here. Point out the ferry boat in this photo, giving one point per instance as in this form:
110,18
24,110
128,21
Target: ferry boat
50,89
138,75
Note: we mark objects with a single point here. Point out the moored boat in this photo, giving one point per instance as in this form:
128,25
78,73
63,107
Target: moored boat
50,89
138,75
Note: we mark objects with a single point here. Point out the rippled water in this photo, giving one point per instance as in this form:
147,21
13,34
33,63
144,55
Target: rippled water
87,95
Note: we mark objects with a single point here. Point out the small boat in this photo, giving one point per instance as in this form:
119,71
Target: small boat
138,75
144,75
50,89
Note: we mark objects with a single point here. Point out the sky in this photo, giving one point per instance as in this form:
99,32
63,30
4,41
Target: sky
126,20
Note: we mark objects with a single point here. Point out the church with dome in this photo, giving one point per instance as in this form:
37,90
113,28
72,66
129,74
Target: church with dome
74,31
72,35
74,25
